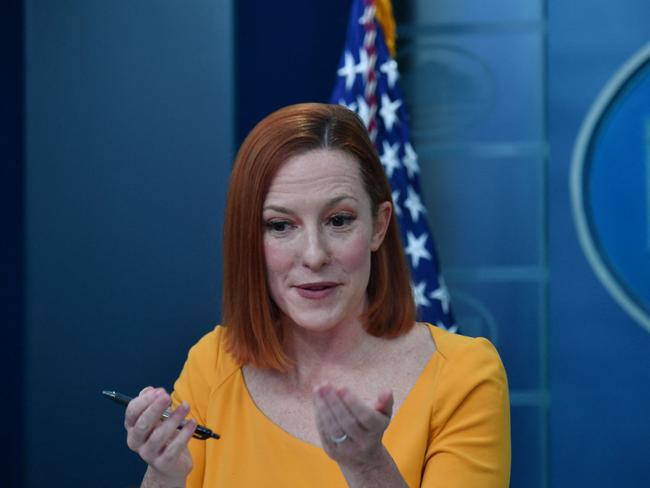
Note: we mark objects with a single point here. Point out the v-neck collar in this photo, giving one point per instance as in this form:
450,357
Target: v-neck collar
415,392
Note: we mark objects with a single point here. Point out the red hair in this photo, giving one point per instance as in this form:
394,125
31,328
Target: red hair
253,332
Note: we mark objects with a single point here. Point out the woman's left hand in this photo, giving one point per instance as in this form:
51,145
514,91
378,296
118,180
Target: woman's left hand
350,430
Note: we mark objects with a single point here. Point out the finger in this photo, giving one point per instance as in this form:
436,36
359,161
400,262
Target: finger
137,406
323,413
343,415
150,417
177,445
164,434
325,421
145,390
368,418
384,403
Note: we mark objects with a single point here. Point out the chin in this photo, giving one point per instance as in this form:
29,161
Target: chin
317,323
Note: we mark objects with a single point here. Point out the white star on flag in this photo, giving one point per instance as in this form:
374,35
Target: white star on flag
419,294
388,111
410,160
389,68
414,204
396,207
415,248
348,70
389,157
363,110
441,294
362,66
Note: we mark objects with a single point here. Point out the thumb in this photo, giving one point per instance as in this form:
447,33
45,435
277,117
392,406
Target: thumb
384,403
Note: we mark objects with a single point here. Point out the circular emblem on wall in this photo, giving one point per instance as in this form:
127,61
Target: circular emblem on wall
610,187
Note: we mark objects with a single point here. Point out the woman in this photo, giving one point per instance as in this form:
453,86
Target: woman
321,376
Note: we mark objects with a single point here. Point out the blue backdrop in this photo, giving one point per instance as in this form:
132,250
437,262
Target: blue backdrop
129,137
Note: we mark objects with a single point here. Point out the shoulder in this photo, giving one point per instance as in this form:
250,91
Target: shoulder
207,367
470,417
208,345
210,359
464,352
469,366
471,374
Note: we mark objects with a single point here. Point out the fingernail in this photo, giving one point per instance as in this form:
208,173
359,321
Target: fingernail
146,389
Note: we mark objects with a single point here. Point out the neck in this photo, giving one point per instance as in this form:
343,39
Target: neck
321,357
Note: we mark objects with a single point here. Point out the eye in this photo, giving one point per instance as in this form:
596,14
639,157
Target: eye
277,225
341,220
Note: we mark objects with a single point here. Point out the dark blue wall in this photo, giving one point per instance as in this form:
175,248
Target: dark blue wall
287,53
12,165
600,358
129,142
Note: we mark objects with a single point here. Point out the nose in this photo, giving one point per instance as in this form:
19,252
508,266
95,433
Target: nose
316,252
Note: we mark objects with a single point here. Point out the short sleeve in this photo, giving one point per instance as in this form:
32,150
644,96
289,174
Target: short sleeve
470,424
194,386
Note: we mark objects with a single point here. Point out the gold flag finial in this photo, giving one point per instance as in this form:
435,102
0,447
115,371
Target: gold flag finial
387,21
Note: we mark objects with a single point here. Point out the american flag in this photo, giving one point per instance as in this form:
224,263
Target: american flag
367,83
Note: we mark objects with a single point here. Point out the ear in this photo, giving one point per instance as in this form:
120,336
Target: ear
382,220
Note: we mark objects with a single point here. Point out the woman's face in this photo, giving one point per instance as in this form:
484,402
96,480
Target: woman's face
319,232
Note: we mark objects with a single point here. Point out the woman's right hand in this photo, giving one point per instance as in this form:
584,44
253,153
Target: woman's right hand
159,443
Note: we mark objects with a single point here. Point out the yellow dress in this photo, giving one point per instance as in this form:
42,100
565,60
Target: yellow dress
452,430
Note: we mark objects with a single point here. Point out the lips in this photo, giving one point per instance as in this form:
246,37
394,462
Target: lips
316,291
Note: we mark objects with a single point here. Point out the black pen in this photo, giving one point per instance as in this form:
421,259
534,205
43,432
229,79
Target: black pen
199,433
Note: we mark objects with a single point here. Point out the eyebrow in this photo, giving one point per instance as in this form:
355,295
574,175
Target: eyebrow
330,203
